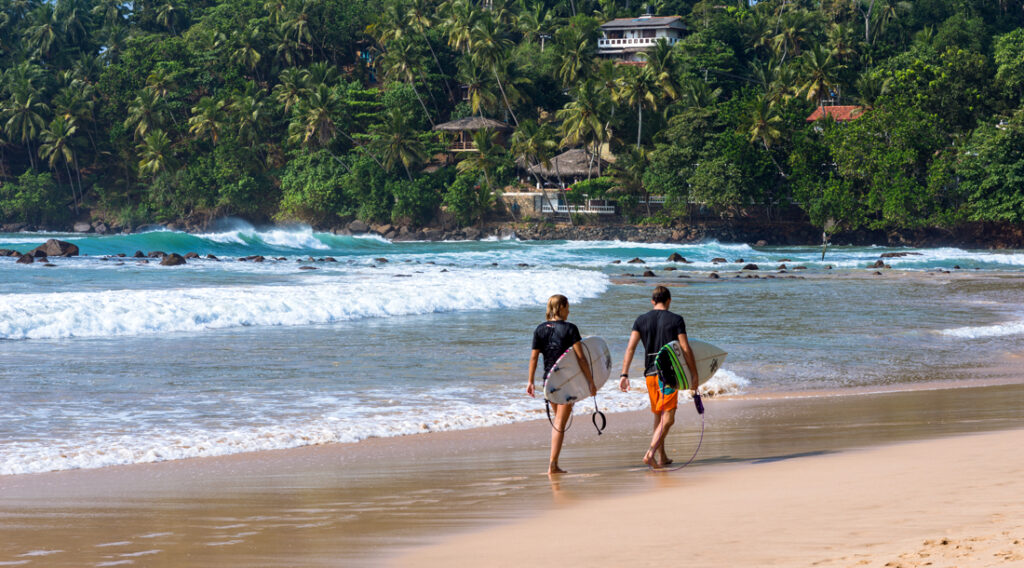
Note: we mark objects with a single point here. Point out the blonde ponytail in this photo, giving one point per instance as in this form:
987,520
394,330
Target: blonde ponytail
555,305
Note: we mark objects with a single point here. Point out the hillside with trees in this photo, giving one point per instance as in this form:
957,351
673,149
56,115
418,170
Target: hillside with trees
322,111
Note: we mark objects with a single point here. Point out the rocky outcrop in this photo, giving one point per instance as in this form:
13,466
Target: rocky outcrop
54,247
26,259
173,259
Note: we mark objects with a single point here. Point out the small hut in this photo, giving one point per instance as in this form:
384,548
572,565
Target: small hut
464,128
571,166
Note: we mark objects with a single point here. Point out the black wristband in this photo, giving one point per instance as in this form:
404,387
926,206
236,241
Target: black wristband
624,375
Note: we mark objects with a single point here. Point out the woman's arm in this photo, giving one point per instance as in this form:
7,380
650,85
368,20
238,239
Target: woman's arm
533,370
585,366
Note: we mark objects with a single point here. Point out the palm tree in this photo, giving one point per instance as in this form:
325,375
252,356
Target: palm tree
488,156
24,114
207,118
58,146
575,56
313,123
400,63
145,113
820,71
582,117
870,88
535,144
397,142
418,19
248,54
156,153
490,46
169,15
291,88
459,20
764,126
249,112
662,61
639,88
628,173
478,86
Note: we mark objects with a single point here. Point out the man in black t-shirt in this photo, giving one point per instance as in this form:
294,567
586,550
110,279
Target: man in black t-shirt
655,329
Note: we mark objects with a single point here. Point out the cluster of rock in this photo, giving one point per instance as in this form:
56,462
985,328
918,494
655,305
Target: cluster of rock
41,253
405,233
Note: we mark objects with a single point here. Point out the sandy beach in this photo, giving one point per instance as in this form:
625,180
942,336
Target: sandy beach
949,502
779,481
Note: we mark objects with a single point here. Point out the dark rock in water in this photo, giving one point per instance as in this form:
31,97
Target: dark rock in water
523,265
328,259
53,247
786,260
444,270
714,275
9,252
676,257
49,264
898,254
120,255
878,273
877,264
100,228
191,255
683,276
637,260
781,267
26,259
472,233
649,274
308,268
211,257
173,259
82,227
739,261
670,269
257,258
761,243
139,254
799,268
358,227
156,254
143,261
148,228
751,266
956,267
403,275
381,260
616,262
718,260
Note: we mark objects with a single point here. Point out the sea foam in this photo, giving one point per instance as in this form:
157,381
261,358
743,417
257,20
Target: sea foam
983,331
356,295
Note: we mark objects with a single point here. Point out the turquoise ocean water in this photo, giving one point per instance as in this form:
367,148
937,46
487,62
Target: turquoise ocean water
109,360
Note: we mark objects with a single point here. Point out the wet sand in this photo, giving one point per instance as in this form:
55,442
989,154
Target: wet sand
370,503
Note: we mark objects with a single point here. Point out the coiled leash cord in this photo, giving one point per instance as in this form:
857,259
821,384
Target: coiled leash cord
593,418
700,410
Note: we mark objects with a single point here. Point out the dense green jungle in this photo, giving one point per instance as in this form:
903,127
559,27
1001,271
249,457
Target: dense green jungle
322,111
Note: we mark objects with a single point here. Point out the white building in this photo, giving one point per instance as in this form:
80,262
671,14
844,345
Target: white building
626,38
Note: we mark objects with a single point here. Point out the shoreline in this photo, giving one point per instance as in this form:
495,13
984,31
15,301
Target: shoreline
347,504
756,232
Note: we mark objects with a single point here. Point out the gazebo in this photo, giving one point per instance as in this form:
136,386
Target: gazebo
571,166
465,127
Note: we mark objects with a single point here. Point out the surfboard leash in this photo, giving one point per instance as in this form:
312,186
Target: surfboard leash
700,410
547,408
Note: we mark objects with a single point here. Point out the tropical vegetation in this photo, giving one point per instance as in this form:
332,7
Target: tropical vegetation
322,111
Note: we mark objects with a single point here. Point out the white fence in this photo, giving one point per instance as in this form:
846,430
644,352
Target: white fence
598,209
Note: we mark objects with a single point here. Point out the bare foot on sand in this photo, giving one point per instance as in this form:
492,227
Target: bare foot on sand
650,461
555,469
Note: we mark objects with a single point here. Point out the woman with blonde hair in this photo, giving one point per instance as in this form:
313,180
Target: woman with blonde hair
553,338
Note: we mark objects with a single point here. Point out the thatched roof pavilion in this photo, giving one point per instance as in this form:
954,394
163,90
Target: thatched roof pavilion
575,163
471,123
464,127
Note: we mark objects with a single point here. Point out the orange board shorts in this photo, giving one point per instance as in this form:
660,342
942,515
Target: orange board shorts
660,401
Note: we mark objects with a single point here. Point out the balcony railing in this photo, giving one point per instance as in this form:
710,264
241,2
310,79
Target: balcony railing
598,209
605,43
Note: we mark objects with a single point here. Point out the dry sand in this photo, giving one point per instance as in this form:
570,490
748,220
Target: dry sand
950,502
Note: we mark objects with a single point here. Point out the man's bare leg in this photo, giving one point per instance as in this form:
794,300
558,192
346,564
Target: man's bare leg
663,423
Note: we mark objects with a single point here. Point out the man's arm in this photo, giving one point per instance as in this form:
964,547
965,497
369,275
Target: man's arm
691,362
627,360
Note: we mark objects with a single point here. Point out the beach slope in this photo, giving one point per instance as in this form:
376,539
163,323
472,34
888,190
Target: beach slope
953,501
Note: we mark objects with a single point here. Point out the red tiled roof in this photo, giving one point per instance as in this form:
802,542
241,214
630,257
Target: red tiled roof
837,112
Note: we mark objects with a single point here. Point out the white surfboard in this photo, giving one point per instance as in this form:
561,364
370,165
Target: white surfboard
566,383
709,359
